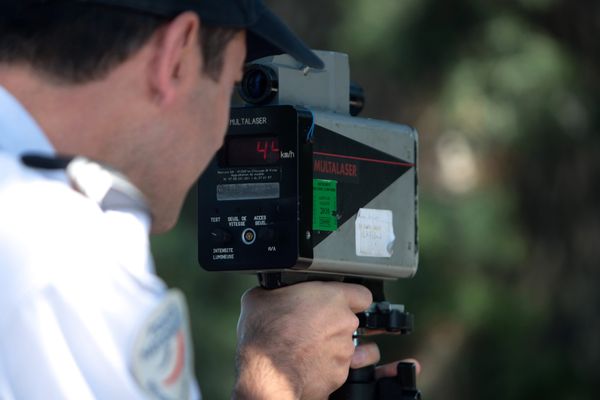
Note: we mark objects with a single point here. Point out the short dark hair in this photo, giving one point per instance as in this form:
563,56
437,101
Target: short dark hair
77,43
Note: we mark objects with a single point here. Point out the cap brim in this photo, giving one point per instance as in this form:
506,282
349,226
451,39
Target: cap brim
270,36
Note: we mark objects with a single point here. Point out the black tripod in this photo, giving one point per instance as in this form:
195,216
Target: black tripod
362,383
382,317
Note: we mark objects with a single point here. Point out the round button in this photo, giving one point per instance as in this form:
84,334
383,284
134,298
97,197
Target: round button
248,236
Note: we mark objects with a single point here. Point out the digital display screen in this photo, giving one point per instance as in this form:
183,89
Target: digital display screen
250,151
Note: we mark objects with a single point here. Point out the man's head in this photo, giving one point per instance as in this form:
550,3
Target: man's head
76,42
141,85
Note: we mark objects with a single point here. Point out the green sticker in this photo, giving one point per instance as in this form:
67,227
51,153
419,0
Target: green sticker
324,205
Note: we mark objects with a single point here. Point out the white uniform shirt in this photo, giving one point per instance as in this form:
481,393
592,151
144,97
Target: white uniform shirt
82,314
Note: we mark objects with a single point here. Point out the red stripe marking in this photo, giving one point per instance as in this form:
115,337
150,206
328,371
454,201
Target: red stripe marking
401,164
179,360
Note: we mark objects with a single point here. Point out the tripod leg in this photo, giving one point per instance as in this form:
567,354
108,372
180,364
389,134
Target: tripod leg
360,385
403,386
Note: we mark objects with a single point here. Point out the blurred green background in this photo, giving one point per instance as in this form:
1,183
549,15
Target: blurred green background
505,95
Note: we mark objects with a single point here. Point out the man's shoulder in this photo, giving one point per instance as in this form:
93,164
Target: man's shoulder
53,236
30,200
47,229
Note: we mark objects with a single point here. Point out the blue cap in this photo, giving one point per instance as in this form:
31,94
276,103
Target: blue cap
267,34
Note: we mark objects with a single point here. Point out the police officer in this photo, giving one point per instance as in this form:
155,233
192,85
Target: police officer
109,111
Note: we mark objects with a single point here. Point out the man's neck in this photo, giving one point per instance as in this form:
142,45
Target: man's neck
68,114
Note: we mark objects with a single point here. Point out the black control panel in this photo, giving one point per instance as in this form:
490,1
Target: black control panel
251,214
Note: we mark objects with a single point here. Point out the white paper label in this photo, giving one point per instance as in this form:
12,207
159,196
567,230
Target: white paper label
374,233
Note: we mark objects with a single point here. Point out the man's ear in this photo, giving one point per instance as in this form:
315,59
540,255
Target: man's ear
177,58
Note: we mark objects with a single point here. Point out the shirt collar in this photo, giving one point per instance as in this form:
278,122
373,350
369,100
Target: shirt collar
19,132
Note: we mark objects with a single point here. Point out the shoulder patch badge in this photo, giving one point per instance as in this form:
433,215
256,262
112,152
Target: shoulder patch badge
162,352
